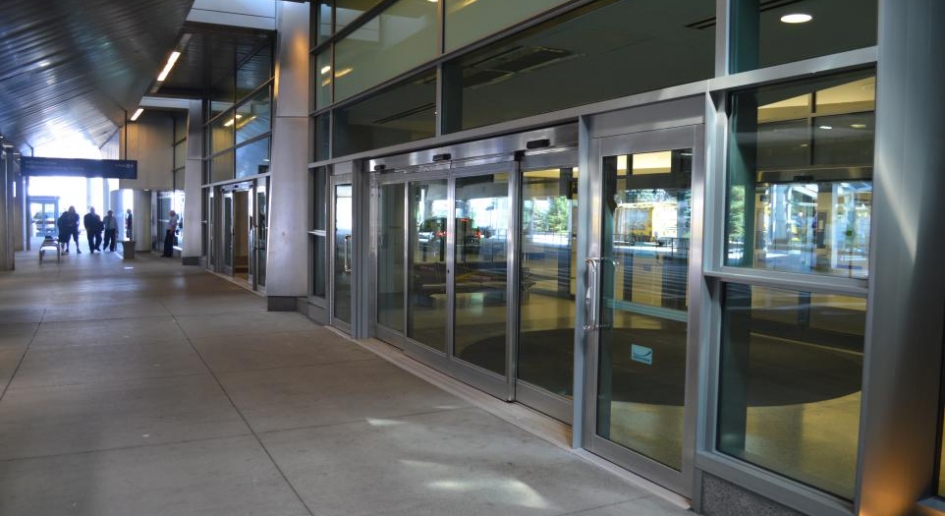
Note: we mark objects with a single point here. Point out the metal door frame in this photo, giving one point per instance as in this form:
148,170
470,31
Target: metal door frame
333,182
686,136
227,228
256,229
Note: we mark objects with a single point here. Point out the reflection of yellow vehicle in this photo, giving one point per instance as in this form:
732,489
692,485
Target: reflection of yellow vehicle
646,222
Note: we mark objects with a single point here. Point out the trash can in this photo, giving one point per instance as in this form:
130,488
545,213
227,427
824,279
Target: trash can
128,250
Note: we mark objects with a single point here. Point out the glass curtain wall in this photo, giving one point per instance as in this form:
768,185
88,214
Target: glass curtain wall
799,201
239,120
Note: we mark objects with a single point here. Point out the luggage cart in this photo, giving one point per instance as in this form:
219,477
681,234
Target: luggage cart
50,243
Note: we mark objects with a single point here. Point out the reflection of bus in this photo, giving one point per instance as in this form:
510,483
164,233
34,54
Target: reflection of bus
654,222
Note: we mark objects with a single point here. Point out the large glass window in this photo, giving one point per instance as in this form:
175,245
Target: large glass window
346,11
253,158
321,27
323,80
469,21
222,167
222,133
768,33
254,72
322,130
605,50
789,395
403,113
400,38
253,118
800,176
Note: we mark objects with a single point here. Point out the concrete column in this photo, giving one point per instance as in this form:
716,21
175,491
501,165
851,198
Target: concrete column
142,220
288,260
193,193
907,297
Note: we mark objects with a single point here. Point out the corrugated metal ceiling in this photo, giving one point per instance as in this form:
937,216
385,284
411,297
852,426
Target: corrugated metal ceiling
76,66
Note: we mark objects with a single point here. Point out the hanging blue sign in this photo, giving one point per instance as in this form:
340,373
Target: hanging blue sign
73,167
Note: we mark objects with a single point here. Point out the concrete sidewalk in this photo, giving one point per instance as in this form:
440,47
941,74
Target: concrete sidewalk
149,388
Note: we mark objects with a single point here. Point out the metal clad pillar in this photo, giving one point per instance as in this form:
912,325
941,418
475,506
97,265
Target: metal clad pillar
288,271
193,193
907,298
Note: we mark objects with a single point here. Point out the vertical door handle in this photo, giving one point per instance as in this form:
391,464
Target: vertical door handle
591,299
347,253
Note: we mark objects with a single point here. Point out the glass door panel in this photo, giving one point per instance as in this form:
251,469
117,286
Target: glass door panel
643,302
481,227
390,256
262,230
343,242
547,281
228,233
427,305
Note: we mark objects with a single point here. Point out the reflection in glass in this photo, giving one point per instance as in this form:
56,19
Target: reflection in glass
228,230
548,283
222,133
800,184
789,394
253,117
344,256
252,159
254,72
346,11
481,230
262,232
323,80
588,55
322,130
471,21
761,39
321,11
401,37
403,113
222,167
426,312
390,257
644,300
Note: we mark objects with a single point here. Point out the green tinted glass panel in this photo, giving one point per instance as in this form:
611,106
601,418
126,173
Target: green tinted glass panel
323,80
403,113
800,184
390,257
602,51
222,132
790,383
253,118
222,167
346,11
400,38
772,33
468,21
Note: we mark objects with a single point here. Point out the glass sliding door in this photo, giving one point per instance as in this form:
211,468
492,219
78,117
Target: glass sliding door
481,227
391,248
547,283
427,302
261,236
343,257
228,233
642,415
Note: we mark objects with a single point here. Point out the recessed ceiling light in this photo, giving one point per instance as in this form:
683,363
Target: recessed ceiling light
796,18
858,126
135,116
326,70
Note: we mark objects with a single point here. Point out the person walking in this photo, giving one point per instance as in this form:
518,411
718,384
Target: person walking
129,224
93,230
74,225
65,223
172,221
110,223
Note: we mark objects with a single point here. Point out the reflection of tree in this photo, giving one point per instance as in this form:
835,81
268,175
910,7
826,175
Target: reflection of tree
736,214
554,219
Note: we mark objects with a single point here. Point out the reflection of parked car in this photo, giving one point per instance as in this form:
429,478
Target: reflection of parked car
432,234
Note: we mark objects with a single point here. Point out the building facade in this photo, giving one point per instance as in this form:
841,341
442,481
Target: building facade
705,234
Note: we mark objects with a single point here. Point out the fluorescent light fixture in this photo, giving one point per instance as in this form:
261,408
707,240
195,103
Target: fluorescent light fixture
44,64
326,69
826,127
135,116
170,64
342,73
796,18
232,121
858,126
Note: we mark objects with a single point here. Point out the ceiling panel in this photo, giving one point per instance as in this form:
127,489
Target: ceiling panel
72,67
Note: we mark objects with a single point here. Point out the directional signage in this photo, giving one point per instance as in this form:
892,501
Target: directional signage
108,168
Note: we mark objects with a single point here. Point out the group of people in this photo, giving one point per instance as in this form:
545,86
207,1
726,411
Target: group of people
68,225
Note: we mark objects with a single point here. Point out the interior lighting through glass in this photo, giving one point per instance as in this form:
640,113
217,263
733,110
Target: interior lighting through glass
796,18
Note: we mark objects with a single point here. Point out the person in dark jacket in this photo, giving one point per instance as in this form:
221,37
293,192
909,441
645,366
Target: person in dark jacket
65,224
93,229
75,228
110,223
